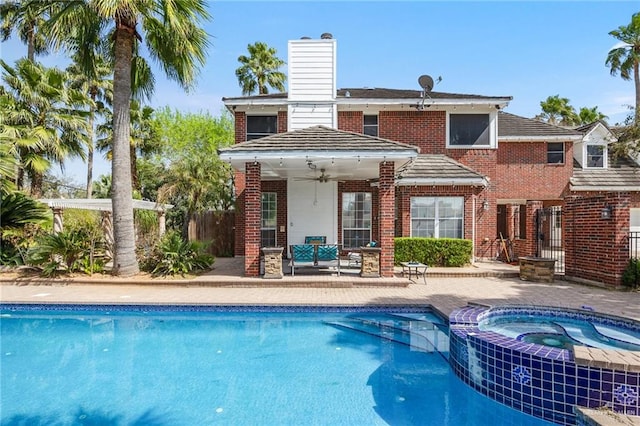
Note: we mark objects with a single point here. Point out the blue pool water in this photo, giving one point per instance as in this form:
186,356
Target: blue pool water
179,366
563,332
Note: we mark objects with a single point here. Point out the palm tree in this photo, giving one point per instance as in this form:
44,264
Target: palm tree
25,18
142,139
589,115
98,85
625,57
260,69
175,39
557,111
47,120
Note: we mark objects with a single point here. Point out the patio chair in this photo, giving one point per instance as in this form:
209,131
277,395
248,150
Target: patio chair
328,255
302,255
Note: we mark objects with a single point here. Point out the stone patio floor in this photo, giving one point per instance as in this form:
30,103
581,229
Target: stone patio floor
446,289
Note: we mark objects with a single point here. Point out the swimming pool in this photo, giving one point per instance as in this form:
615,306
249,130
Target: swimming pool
546,361
153,365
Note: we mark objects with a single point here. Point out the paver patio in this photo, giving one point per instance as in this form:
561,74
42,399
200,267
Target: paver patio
443,291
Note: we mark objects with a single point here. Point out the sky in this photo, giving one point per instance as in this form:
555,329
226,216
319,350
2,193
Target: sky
527,50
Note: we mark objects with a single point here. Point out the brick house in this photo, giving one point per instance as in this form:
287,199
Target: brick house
362,164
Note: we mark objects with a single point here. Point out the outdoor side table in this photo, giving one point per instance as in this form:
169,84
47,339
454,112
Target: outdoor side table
415,268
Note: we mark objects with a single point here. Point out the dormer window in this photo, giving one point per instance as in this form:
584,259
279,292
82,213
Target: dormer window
595,156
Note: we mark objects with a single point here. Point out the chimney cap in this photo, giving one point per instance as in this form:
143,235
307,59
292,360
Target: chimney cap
326,36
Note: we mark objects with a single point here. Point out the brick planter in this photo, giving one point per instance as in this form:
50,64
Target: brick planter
537,269
370,265
272,262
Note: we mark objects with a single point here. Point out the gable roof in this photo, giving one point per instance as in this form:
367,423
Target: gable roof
438,169
515,128
623,174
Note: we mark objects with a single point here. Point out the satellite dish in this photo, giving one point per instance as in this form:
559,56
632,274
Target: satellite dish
426,82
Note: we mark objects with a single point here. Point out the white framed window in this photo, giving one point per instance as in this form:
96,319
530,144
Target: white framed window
259,126
437,217
470,130
356,219
370,125
596,156
269,219
555,152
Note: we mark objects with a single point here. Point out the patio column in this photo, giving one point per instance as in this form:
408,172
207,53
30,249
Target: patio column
106,224
162,222
57,219
386,210
252,213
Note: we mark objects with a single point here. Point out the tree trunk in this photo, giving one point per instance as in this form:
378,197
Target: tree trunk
135,182
31,49
90,154
124,262
36,184
636,78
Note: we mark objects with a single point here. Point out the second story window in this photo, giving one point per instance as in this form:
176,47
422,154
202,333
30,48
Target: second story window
595,156
370,126
469,130
259,126
555,153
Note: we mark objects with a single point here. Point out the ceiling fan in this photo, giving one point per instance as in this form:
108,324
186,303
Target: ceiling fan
322,178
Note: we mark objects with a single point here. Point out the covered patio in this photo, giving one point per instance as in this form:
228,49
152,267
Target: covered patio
309,170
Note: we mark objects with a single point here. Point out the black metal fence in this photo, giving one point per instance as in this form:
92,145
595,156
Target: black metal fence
549,236
634,245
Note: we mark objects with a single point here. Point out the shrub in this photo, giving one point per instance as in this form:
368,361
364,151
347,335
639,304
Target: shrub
67,251
631,275
433,251
172,255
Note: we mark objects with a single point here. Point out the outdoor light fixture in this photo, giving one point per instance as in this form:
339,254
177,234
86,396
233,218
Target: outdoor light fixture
606,212
485,205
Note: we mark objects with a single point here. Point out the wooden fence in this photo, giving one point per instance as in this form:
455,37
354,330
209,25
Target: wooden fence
215,228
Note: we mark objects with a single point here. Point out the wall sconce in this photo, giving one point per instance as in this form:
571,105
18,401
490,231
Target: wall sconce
485,205
606,212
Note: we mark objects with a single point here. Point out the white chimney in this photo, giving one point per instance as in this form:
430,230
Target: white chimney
312,83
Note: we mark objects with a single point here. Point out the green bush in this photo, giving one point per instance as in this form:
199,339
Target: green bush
67,251
631,275
172,255
433,251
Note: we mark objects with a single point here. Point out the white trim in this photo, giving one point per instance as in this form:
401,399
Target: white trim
604,188
258,155
539,138
442,182
101,204
276,102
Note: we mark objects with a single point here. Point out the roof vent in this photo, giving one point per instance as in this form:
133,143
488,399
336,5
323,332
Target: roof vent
326,36
305,38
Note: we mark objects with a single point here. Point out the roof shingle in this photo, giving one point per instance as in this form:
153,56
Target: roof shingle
510,125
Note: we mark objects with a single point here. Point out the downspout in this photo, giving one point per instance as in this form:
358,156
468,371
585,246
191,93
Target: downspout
473,229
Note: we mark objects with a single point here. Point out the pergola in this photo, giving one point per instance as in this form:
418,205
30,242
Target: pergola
104,205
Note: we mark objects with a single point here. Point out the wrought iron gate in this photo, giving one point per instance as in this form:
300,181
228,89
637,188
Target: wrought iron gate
549,239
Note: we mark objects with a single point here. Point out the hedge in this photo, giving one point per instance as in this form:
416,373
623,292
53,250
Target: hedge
433,251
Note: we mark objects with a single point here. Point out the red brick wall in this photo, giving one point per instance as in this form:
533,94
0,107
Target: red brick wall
522,171
282,121
485,220
241,127
596,249
252,207
386,202
351,121
424,129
